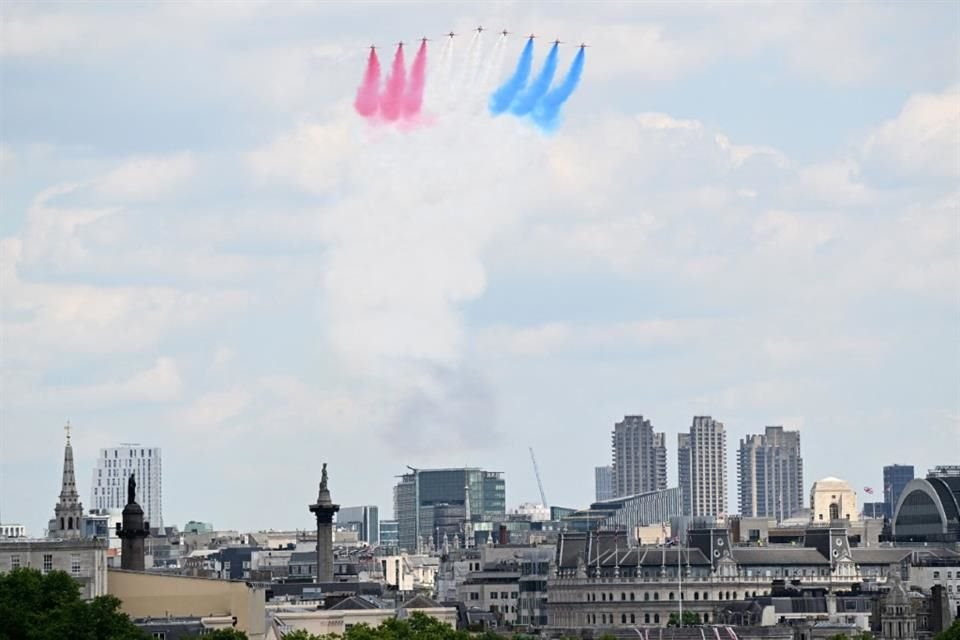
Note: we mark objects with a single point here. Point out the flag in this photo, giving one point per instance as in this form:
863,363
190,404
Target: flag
868,490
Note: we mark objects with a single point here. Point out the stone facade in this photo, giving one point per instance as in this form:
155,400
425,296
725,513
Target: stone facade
602,581
832,499
84,560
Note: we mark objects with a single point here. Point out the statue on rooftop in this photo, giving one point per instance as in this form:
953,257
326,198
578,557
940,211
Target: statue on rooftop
131,489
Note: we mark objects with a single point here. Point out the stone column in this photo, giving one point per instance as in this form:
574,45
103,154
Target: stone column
323,509
132,532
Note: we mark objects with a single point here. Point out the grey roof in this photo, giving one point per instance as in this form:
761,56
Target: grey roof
778,555
420,602
879,556
354,603
303,557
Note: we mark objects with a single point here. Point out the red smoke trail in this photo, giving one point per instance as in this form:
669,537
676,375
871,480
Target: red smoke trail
391,100
368,98
413,99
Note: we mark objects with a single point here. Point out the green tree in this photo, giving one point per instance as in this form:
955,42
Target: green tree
950,633
689,619
36,606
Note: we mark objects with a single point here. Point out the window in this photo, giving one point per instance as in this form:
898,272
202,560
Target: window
936,575
632,596
160,635
474,595
603,597
47,562
504,595
646,597
623,618
493,595
623,595
656,618
633,618
75,564
656,595
513,594
14,561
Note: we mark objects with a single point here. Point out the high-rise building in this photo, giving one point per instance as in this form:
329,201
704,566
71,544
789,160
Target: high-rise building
895,478
639,457
770,473
603,482
482,494
114,466
702,463
365,520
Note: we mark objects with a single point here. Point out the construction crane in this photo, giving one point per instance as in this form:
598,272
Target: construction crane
536,471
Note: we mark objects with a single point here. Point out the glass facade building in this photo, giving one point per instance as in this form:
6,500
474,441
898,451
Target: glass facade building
365,520
895,478
482,495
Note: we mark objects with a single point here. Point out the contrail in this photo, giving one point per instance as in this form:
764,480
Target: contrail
368,99
526,101
468,70
546,114
502,97
391,100
494,62
413,99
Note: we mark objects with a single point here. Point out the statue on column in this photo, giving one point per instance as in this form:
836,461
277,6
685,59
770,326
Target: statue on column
131,489
323,477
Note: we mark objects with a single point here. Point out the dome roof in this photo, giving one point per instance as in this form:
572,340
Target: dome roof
831,483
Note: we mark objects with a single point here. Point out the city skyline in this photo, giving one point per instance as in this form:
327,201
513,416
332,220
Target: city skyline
748,213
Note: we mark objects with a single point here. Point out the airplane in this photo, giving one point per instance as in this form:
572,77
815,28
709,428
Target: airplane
400,44
373,48
504,33
532,36
424,39
479,29
583,46
451,34
556,42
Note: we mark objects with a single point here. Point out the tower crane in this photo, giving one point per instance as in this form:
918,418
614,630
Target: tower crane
536,471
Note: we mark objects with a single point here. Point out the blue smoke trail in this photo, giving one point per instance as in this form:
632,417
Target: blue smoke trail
526,101
502,97
546,114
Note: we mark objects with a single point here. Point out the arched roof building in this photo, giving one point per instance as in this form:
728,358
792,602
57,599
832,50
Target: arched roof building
929,510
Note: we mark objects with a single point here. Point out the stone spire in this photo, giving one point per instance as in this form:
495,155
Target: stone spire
69,510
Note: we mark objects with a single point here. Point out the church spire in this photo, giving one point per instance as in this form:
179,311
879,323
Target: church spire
69,510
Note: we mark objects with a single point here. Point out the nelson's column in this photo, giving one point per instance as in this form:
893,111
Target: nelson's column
133,531
324,510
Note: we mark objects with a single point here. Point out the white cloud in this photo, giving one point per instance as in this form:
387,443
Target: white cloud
923,140
147,177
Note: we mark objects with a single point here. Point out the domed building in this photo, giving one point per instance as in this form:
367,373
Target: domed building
832,499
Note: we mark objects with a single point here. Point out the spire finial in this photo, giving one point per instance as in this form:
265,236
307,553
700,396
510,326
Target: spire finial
67,429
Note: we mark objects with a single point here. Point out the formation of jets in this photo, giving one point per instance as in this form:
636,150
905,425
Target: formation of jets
479,30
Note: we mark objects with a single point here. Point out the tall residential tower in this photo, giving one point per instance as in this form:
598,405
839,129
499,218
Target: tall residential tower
702,465
770,474
639,457
114,466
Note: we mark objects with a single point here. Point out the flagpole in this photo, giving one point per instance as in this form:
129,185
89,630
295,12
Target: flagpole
679,584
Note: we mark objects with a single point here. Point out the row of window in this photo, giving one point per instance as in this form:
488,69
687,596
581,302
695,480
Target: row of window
48,563
611,618
721,595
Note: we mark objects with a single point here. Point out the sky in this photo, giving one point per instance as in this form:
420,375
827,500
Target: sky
749,211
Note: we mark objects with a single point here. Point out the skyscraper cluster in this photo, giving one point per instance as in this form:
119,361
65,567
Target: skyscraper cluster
769,466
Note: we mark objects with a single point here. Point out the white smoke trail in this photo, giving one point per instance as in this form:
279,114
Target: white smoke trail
438,76
467,72
494,63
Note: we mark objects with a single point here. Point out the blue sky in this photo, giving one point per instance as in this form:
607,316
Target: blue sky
750,211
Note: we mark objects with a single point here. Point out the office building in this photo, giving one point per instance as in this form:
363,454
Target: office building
770,473
603,482
389,535
639,457
365,520
895,478
114,466
482,494
702,465
929,509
